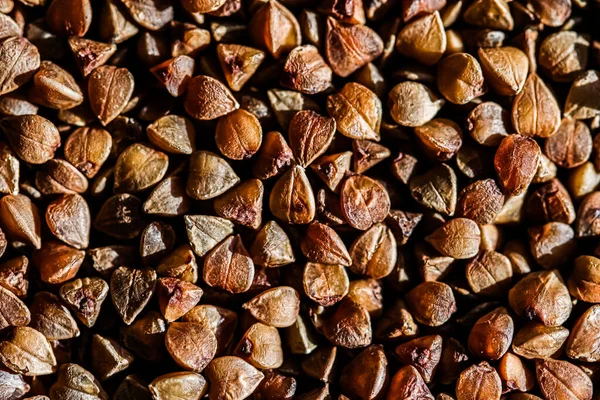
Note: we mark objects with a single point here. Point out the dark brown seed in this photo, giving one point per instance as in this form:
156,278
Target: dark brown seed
90,54
184,385
541,296
26,351
325,284
458,238
69,17
208,99
15,312
19,60
349,47
492,334
580,103
115,26
156,241
367,154
221,321
60,177
108,357
436,189
310,135
188,39
238,135
75,381
14,275
292,199
151,14
181,264
480,381
364,201
489,274
349,326
274,28
551,13
228,266
423,353
35,139
584,335
50,317
275,386
322,244
20,220
175,74
191,345
551,203
272,247
407,383
481,201
374,253
306,71
120,217
552,245
274,156
454,356
168,198
132,387
176,297
440,138
232,377
431,303
516,162
278,307
564,54
584,282
239,63
87,149
131,290
85,297
57,263
535,111
432,265
366,383
535,340
571,145
561,379
146,336
68,218
357,112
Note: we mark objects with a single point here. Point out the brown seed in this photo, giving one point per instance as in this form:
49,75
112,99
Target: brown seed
584,336
183,385
261,347
551,203
19,60
349,11
90,54
364,201
131,290
561,379
492,14
310,135
374,253
242,204
139,167
571,145
9,170
431,303
580,102
489,274
176,297
436,189
210,176
181,264
221,321
85,297
228,266
57,263
396,323
109,91
479,381
518,254
146,336
440,138
492,334
407,383
357,112
551,13
156,241
274,156
272,247
208,99
35,139
20,220
108,357
423,353
115,26
535,111
14,275
516,162
68,218
505,68
349,47
174,74
106,259
151,14
278,307
173,134
191,345
51,318
168,198
432,265
292,199
367,154
132,387
454,356
514,374
366,383
413,104
14,386
481,201
458,238
423,39
367,293
332,168
15,312
563,55
274,28
585,279
460,78
553,244
75,381
26,351
586,224
349,326
238,63
205,232
416,8
541,296
69,17
202,6
275,386
238,135
489,123
120,217
322,244
232,378
60,177
54,87
535,340
286,103
87,149
325,284
188,39
306,71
